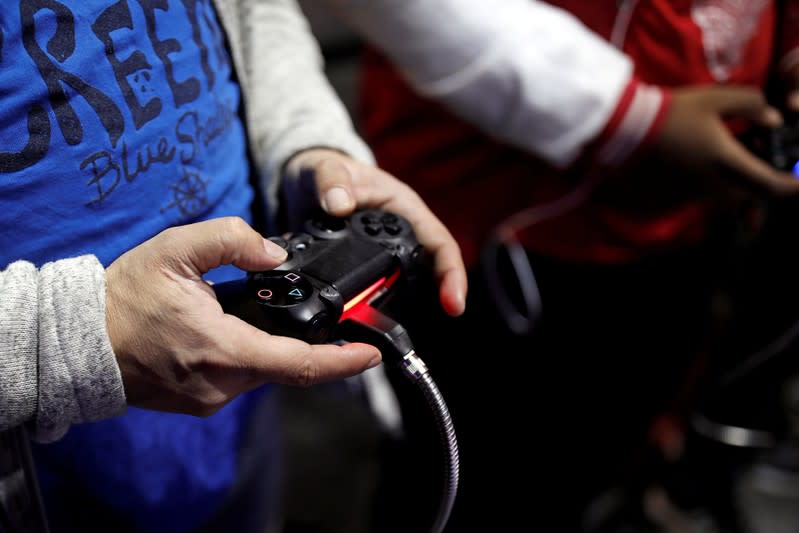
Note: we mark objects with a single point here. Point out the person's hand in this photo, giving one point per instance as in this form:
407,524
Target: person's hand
696,136
178,351
341,184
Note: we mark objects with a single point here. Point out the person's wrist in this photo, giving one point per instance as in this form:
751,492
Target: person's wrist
639,118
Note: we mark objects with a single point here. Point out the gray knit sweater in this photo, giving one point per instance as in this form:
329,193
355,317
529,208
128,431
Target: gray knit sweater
57,366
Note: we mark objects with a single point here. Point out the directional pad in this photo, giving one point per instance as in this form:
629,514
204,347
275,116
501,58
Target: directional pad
280,289
375,225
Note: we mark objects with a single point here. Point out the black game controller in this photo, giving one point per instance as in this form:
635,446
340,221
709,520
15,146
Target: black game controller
334,264
778,146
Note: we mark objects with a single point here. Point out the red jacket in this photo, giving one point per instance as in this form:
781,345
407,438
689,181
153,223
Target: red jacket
474,183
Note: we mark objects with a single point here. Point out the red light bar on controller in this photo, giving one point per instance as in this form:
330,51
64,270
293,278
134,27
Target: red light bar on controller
375,289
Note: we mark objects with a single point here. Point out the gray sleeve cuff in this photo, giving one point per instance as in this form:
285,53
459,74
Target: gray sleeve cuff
290,103
79,379
19,325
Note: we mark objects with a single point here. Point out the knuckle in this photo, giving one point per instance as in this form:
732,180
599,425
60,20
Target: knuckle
306,373
236,226
330,167
235,231
172,235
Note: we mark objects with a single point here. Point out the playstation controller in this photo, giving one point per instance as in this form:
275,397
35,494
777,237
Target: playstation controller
777,146
332,265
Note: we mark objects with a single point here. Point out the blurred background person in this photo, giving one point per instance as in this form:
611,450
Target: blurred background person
596,143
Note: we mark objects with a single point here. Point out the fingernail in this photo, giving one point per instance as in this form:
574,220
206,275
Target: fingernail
336,199
274,250
374,362
460,299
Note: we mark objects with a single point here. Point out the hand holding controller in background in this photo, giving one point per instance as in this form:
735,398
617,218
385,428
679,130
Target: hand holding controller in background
778,146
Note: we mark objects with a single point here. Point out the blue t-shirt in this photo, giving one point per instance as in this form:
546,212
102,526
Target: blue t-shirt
120,119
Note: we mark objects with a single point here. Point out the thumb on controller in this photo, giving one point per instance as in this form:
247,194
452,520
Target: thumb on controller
224,241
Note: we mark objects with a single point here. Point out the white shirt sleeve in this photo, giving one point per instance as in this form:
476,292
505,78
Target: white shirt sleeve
525,72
